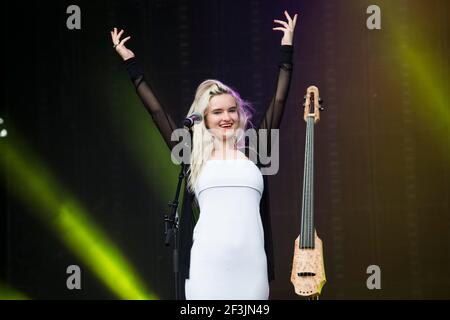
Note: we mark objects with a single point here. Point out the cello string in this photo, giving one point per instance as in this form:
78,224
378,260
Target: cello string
310,177
305,182
311,233
308,182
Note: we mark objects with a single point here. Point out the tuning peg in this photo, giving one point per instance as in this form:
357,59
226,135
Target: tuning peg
320,100
304,97
321,108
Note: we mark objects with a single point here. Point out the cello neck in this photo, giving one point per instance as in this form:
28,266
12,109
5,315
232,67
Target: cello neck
307,215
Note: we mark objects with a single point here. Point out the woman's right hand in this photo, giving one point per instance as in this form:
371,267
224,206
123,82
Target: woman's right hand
119,45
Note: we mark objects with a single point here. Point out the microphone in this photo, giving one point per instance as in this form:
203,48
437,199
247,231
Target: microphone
192,119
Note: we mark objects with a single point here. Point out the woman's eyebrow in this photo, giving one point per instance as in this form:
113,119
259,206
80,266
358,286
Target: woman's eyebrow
222,108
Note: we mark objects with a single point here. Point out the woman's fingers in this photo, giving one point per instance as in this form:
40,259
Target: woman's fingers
124,40
295,20
116,36
281,22
113,35
119,35
291,22
288,17
287,27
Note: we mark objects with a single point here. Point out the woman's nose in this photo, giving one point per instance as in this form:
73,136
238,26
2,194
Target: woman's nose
226,116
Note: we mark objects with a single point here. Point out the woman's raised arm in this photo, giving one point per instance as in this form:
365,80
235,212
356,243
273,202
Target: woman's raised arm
162,120
274,112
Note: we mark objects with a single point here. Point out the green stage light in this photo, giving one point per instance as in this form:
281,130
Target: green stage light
143,140
9,293
415,45
33,184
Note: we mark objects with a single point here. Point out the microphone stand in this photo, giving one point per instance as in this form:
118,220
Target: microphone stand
171,227
171,230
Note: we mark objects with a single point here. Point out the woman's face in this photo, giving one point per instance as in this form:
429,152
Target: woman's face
222,117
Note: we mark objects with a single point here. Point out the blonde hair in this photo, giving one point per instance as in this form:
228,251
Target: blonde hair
202,140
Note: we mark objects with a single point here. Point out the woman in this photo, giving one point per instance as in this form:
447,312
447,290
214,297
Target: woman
228,255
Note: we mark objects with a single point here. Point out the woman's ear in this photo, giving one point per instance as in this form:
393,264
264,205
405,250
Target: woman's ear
205,118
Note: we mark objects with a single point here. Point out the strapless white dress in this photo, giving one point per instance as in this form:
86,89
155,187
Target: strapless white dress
228,260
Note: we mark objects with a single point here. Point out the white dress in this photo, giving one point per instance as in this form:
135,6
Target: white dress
228,260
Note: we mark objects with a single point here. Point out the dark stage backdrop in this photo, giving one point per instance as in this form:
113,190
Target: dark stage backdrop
86,177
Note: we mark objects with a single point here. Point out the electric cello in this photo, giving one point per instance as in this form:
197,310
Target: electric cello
308,272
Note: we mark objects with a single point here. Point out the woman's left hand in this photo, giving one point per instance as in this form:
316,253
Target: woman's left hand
288,28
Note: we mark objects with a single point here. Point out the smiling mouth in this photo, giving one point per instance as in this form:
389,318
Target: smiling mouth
227,126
